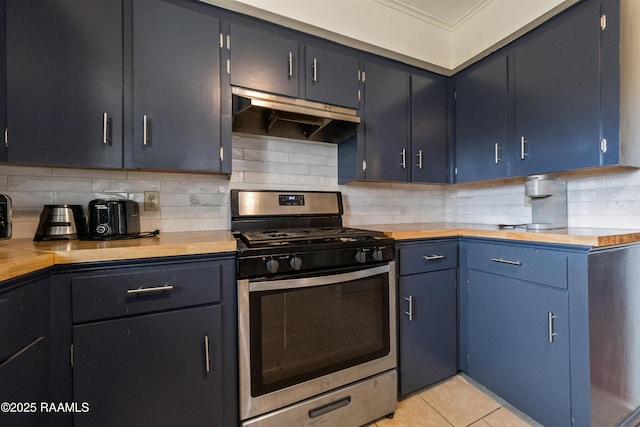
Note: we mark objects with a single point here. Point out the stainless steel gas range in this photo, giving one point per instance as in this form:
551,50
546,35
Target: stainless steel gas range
316,313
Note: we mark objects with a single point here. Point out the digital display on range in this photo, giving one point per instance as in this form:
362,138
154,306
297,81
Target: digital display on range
291,199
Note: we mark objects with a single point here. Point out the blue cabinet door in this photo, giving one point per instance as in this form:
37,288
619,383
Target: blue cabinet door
429,147
386,123
518,344
427,308
264,60
160,369
481,123
557,94
331,77
64,82
176,88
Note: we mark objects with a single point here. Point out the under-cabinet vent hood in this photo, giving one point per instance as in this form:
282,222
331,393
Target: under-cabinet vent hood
266,114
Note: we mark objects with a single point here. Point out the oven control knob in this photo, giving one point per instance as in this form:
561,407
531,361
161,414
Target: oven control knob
361,256
272,265
377,254
295,263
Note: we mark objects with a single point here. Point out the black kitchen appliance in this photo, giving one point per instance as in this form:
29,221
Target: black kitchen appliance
5,216
316,310
61,222
113,219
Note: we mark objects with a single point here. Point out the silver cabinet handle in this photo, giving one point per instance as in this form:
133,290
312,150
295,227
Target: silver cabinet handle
497,153
207,360
145,133
290,64
551,333
432,257
410,312
523,152
153,290
315,70
105,128
506,261
403,163
419,159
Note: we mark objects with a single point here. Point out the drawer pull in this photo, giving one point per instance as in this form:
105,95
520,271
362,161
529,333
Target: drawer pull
551,333
506,261
410,312
147,291
207,360
432,257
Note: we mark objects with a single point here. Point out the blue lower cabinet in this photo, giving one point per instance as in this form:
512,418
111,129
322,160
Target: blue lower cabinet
428,339
25,380
427,313
519,344
153,342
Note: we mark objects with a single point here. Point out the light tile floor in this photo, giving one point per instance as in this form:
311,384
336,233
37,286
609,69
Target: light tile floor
457,402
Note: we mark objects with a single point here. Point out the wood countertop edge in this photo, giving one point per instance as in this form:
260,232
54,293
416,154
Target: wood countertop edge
23,256
580,238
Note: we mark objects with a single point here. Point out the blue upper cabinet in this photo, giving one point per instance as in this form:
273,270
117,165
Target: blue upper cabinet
264,60
64,82
553,100
481,122
114,84
268,59
331,77
386,123
176,88
429,144
557,94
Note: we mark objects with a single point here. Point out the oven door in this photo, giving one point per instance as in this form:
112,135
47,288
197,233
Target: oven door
301,337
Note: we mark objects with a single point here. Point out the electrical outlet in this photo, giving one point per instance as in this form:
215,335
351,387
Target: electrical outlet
151,201
527,201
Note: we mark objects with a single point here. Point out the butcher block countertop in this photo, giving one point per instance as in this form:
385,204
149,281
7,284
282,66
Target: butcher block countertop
21,256
595,237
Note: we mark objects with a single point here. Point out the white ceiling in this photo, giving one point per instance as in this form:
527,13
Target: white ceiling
447,14
439,35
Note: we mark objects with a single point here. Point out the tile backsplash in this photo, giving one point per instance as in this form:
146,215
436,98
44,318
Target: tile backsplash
194,202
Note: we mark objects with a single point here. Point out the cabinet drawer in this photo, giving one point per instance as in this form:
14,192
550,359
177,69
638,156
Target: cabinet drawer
427,257
139,290
533,264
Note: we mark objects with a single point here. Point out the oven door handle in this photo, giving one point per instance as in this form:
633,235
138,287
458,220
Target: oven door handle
306,282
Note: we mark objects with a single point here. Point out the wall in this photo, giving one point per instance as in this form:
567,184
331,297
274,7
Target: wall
597,198
193,202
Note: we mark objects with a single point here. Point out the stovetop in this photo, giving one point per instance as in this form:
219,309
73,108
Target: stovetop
298,236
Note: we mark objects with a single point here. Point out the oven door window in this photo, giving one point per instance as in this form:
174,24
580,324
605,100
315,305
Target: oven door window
298,334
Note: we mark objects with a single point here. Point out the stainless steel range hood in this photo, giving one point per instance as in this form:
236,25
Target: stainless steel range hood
266,114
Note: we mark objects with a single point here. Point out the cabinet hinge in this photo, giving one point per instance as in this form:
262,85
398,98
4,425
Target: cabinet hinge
221,154
6,137
364,165
603,145
71,355
221,40
603,22
228,66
